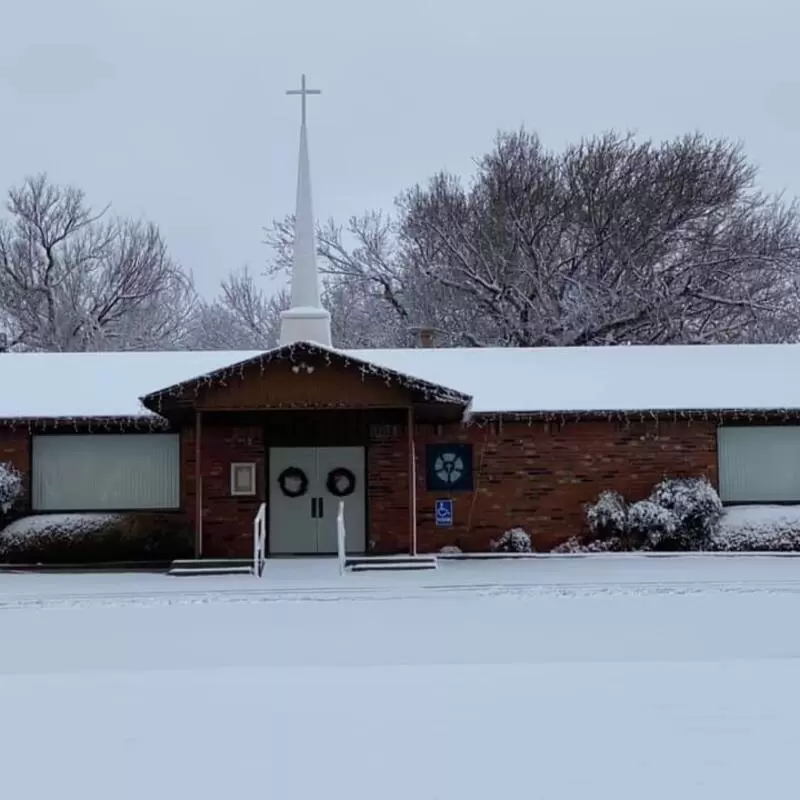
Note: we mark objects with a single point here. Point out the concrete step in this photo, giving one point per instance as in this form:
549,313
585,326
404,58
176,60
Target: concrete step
212,562
393,565
187,571
400,559
211,566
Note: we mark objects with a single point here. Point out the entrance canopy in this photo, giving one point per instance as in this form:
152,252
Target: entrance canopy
306,375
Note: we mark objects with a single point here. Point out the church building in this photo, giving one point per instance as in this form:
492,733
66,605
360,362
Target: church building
427,447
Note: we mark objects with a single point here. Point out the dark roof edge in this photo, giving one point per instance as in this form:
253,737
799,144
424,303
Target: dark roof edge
643,414
287,352
153,421
140,422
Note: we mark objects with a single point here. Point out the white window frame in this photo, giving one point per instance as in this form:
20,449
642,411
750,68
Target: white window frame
250,468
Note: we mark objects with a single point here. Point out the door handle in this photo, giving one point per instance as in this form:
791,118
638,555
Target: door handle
319,506
313,508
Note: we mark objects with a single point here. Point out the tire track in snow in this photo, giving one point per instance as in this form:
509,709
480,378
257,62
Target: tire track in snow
371,594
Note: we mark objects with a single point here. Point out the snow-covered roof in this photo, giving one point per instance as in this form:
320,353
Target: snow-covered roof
54,385
502,380
634,378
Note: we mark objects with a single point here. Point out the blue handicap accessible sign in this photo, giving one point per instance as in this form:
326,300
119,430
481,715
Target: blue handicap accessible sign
444,513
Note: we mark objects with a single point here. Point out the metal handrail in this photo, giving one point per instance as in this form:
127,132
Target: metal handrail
260,540
341,538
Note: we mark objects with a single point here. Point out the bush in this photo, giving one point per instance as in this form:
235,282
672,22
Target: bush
451,549
95,538
649,525
513,541
758,529
680,514
608,517
12,487
578,545
697,509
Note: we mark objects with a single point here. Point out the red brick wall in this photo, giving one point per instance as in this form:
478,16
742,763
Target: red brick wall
388,515
538,477
15,447
227,520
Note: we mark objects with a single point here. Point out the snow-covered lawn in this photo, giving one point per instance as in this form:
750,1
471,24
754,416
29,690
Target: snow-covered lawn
610,677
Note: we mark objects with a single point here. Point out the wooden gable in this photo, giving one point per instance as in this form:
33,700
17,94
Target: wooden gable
313,382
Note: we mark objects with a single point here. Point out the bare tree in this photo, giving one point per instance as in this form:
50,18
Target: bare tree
610,241
72,279
243,317
373,298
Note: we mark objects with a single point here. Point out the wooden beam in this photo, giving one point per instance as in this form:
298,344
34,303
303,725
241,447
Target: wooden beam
345,406
412,485
198,485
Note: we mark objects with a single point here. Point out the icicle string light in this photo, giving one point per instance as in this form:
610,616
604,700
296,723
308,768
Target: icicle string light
147,423
495,420
295,355
718,416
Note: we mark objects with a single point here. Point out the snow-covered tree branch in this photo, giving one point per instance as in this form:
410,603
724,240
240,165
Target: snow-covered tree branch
246,316
72,279
610,241
243,316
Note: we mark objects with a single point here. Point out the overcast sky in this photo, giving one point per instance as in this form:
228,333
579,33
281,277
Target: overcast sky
175,109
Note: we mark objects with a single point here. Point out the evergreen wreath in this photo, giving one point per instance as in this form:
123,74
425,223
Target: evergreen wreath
291,476
341,482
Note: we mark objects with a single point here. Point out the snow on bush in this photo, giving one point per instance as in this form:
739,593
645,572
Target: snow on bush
697,509
608,517
451,549
649,525
95,538
514,540
12,487
739,529
680,514
577,545
55,527
573,545
758,529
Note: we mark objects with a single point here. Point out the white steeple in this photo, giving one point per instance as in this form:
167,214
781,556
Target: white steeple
306,320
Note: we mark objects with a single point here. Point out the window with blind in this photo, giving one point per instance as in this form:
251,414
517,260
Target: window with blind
106,472
759,464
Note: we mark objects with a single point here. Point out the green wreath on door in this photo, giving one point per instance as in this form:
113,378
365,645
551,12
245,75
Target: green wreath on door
293,482
341,482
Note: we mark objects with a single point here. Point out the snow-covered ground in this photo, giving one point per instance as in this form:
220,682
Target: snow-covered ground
601,677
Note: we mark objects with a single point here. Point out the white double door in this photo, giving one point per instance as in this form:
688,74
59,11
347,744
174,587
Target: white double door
307,523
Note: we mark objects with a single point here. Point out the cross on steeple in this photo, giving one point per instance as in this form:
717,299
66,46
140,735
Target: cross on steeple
303,92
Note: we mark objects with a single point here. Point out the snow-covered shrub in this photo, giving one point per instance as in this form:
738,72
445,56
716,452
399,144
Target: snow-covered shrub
95,538
649,525
12,487
758,529
578,545
572,545
608,516
451,549
514,540
697,509
680,514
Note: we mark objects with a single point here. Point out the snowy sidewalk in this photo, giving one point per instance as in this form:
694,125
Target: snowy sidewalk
564,679
318,579
561,679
